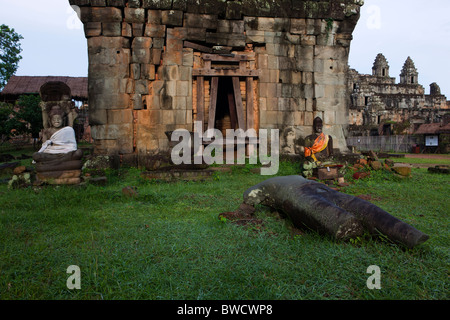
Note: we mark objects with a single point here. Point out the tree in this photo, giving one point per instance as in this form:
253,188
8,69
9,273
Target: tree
29,116
6,121
9,53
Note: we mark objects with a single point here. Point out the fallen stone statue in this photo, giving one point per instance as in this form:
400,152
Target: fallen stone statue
313,205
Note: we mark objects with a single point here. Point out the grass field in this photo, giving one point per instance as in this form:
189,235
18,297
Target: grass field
168,243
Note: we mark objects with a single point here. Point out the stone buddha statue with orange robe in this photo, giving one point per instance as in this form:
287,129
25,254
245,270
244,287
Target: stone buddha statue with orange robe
318,146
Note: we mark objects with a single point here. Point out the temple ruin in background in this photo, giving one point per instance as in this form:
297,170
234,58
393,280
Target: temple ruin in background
378,102
156,66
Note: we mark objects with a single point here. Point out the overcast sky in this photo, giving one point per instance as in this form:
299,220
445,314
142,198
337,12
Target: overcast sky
54,42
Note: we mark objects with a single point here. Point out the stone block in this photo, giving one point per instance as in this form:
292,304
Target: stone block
307,77
141,87
329,117
306,62
158,43
155,54
134,3
298,26
120,116
112,29
188,62
101,71
309,117
307,40
272,117
196,34
180,116
98,116
154,16
134,15
108,101
106,86
111,131
179,103
284,104
141,43
148,71
155,30
92,29
137,29
116,3
149,117
299,118
136,101
255,36
172,18
376,165
141,55
100,14
333,52
265,24
135,71
298,104
206,21
173,57
97,43
79,2
98,3
127,30
183,88
168,72
168,116
309,104
402,169
223,26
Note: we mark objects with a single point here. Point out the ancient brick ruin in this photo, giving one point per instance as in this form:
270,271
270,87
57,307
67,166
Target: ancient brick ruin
377,100
156,66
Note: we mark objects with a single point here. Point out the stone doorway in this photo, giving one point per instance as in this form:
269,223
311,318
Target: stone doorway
225,91
226,107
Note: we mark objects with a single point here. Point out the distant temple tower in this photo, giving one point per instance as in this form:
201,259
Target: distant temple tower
409,74
380,66
435,89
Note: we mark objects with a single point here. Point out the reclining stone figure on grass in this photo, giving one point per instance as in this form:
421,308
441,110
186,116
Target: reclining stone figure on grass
327,211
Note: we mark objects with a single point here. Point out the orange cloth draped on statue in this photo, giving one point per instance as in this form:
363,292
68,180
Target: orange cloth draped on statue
320,144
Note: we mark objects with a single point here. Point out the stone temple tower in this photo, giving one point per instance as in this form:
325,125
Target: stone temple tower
380,66
409,74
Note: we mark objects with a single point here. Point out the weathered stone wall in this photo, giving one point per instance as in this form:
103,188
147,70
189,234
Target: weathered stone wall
140,69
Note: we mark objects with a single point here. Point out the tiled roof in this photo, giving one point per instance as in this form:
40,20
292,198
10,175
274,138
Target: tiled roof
433,128
18,85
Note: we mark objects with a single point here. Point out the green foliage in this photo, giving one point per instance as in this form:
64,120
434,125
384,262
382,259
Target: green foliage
6,123
25,119
9,53
29,115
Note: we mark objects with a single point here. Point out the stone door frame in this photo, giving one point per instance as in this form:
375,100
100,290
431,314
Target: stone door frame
239,68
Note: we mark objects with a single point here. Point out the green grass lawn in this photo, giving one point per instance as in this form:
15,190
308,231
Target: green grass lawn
168,243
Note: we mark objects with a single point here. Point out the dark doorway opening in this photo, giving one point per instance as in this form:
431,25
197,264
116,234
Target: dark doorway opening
226,106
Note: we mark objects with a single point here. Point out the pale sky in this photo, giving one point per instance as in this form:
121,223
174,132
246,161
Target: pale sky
54,42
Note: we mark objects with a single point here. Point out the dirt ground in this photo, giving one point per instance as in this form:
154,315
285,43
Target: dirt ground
426,156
